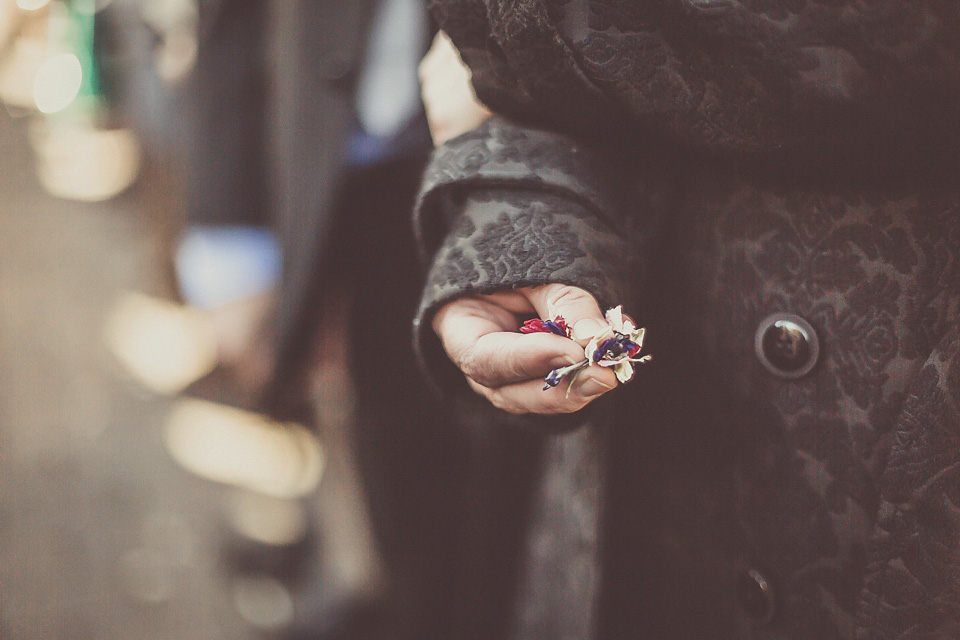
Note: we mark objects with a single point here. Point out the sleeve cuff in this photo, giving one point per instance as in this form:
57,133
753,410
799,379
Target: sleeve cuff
506,239
504,206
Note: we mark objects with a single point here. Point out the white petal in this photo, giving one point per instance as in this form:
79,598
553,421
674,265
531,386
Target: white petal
590,348
624,371
615,317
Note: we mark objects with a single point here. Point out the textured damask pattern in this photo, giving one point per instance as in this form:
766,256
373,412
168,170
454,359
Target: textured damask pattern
501,153
507,239
913,588
505,206
733,75
877,273
840,206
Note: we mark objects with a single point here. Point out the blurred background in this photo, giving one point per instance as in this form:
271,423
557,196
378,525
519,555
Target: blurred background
135,501
102,534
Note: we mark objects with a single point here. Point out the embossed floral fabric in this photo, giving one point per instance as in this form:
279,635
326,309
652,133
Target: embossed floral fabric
875,268
730,75
732,159
507,206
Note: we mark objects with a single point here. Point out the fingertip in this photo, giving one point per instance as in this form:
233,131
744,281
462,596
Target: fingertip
587,328
592,387
595,382
564,360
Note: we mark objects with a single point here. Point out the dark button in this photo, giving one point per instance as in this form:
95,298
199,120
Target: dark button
787,345
755,596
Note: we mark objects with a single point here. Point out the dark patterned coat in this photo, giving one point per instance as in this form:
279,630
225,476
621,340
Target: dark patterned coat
771,189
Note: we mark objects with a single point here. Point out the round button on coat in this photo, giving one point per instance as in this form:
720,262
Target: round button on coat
755,596
787,345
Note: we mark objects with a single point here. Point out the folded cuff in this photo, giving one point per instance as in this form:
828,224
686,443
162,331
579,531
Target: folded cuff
504,207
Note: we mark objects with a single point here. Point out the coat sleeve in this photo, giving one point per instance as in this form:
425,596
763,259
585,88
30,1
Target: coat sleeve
912,588
506,206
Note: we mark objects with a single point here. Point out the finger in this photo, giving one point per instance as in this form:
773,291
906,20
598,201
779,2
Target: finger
465,319
481,338
501,358
530,397
578,307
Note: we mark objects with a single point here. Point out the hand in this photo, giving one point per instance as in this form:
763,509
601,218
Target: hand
479,334
451,105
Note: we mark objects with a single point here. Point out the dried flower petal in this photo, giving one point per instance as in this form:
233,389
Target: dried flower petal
556,326
554,377
616,345
624,371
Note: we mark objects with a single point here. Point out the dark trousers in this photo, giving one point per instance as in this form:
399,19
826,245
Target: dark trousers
410,454
359,233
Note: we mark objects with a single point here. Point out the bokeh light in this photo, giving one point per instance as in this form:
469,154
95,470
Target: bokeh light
83,163
267,519
165,346
32,5
263,602
57,83
244,449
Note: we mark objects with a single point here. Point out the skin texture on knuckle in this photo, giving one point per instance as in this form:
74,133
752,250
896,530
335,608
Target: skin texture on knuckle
467,362
489,365
474,362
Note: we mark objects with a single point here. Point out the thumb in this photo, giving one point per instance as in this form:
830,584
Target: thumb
576,306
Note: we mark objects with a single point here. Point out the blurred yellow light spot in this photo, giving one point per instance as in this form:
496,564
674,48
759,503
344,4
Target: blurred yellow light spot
78,162
263,602
164,345
245,449
268,519
18,68
57,83
32,5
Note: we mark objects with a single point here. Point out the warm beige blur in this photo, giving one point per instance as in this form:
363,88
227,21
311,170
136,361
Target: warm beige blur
244,449
163,345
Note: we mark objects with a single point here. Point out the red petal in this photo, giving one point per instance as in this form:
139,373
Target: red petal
534,325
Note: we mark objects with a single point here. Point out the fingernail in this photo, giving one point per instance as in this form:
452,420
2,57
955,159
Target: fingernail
562,361
591,387
587,328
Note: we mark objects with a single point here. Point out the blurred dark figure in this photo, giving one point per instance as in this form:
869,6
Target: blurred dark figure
305,142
